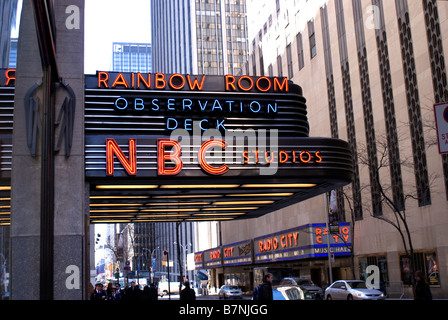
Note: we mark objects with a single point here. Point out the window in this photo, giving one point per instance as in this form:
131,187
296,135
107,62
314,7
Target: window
260,55
380,262
313,46
279,66
312,38
289,61
423,261
300,51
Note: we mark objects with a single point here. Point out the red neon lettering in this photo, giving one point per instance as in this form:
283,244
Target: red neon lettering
129,165
308,156
141,78
281,87
283,156
266,157
246,156
176,87
251,83
10,77
160,81
230,82
103,77
195,82
319,158
263,89
120,81
228,252
162,157
201,157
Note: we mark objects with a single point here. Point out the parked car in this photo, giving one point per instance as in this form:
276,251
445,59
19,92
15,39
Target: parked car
173,288
291,293
314,290
352,290
227,291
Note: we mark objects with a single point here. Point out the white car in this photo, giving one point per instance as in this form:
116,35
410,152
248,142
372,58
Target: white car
352,290
228,291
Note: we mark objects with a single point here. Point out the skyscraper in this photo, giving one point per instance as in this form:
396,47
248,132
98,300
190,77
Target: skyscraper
8,10
131,57
195,37
205,36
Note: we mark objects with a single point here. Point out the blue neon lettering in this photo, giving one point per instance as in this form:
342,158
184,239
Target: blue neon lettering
138,104
220,124
255,102
230,105
200,124
171,103
184,105
216,105
156,106
188,124
205,105
121,108
168,124
274,109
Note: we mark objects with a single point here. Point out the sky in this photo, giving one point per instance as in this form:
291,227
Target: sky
108,21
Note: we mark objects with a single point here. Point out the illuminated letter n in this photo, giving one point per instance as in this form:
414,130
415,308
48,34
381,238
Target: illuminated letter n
130,164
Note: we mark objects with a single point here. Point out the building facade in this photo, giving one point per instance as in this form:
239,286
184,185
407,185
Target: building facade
131,57
371,72
208,37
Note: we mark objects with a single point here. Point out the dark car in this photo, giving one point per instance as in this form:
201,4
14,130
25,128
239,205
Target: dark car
314,290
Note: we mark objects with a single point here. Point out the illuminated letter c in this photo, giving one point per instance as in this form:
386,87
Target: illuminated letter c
201,157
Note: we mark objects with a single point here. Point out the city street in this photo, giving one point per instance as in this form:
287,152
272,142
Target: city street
201,297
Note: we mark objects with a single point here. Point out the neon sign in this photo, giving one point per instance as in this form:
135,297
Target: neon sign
159,81
130,164
170,162
182,111
8,78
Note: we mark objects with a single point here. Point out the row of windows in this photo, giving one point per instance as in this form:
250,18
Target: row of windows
426,261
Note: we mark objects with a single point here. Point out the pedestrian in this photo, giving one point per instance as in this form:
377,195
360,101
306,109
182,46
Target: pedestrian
153,295
265,291
119,295
150,293
422,291
98,293
109,290
187,293
133,292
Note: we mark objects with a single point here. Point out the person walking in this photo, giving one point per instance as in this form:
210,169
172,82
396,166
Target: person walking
98,293
150,293
133,292
119,294
265,291
187,293
422,291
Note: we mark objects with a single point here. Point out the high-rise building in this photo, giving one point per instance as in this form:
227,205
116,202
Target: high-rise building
206,37
195,37
8,10
371,72
131,57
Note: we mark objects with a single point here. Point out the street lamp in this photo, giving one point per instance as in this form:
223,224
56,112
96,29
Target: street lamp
185,254
151,275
